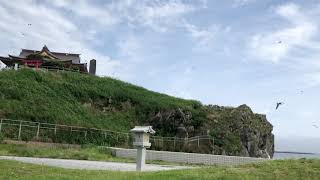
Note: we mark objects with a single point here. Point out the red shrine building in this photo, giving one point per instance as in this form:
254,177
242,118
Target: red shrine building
49,60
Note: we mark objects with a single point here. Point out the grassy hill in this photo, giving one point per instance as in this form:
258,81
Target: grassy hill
102,102
77,99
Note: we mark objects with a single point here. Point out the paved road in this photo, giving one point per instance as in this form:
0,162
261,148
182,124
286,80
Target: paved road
91,165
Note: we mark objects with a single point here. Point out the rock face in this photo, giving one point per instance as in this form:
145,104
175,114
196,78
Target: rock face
236,131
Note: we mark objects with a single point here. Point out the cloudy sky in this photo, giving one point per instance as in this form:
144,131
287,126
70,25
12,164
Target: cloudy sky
228,52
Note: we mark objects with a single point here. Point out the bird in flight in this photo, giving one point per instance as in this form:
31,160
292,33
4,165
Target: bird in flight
279,42
279,104
315,126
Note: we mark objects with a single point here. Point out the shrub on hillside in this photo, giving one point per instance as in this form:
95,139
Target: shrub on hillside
1,138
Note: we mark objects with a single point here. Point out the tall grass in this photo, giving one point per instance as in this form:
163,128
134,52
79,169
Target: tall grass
84,100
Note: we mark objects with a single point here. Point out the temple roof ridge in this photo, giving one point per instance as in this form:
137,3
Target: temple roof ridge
36,51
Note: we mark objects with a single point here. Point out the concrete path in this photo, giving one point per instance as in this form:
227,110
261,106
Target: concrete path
91,165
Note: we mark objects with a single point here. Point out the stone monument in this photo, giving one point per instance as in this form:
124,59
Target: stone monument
141,142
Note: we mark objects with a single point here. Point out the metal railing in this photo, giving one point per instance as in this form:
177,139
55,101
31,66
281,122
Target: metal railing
59,133
199,144
47,132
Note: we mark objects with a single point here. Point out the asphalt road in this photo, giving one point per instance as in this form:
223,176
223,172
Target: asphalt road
91,165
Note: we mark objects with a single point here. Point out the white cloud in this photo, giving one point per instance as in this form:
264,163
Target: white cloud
312,79
277,45
203,37
156,14
239,3
181,79
130,48
87,9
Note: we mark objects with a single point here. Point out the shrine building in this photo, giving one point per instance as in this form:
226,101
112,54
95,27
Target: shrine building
48,60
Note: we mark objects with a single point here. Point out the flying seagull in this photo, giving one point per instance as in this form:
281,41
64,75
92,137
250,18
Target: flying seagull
279,104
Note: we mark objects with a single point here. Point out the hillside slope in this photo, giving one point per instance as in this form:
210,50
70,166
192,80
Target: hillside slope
83,100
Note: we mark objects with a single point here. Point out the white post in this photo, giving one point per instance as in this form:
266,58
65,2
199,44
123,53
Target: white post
55,130
213,145
15,66
141,158
19,135
38,130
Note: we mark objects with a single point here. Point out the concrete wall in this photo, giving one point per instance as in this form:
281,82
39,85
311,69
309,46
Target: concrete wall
191,158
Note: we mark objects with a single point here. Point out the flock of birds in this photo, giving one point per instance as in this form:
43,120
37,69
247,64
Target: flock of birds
278,104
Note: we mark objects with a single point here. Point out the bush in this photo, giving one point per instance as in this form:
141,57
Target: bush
1,138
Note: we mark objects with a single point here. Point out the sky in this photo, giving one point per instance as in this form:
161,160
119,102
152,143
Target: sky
228,52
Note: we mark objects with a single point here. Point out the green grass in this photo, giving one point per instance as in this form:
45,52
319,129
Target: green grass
82,100
280,169
82,153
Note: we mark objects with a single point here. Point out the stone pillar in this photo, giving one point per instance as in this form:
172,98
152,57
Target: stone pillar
141,158
92,67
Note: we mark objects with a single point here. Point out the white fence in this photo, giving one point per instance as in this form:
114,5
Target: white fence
190,158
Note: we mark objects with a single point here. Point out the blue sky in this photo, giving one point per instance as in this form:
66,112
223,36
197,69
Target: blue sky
228,52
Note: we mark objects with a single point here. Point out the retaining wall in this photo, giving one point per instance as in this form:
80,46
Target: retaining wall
191,158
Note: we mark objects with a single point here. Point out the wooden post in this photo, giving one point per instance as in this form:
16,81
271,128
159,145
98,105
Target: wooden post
174,143
19,135
85,134
0,125
38,130
198,141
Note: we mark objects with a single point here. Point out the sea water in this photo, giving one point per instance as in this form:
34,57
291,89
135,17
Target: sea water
290,155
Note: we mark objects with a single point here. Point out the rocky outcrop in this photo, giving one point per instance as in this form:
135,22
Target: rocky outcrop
236,131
